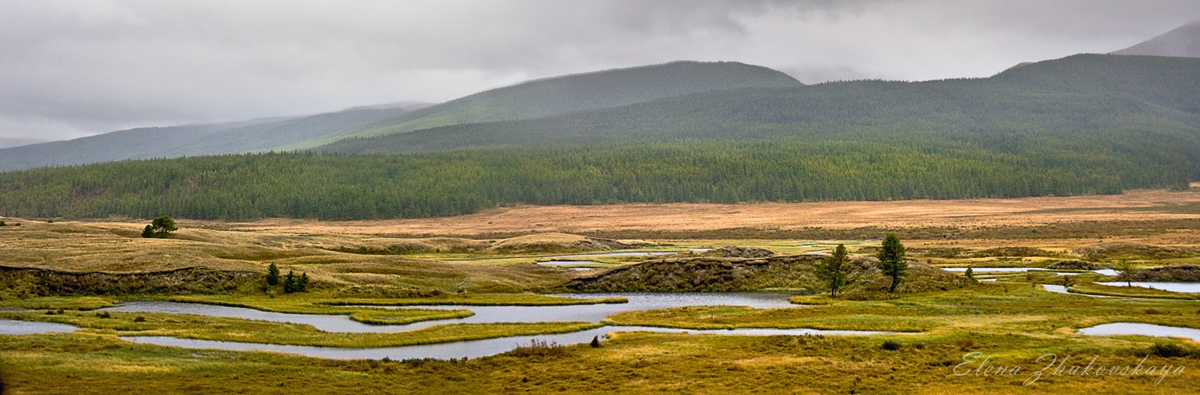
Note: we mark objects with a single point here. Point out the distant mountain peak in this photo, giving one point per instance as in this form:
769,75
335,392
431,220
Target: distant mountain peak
1184,41
403,105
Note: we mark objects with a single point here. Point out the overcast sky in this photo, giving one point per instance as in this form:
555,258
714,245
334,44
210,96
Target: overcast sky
75,68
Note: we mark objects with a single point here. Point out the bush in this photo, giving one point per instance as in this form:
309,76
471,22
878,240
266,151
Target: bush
139,319
890,345
539,349
1169,350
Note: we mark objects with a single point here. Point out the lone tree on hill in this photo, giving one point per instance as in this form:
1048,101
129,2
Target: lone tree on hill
892,260
272,275
1127,270
160,228
835,271
971,274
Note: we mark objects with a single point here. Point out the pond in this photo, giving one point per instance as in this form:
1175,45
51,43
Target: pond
1131,328
15,327
1172,287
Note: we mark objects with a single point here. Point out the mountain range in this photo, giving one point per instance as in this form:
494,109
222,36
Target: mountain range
676,132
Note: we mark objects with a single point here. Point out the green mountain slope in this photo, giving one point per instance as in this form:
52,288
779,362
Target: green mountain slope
1088,96
579,92
1079,125
189,140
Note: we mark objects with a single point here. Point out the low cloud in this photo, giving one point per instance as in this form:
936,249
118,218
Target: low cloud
72,68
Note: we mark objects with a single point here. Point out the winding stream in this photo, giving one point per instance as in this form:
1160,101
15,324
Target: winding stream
473,348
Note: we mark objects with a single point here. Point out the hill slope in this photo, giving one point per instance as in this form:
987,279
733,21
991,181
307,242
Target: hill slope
1087,96
188,140
1084,124
560,95
1183,41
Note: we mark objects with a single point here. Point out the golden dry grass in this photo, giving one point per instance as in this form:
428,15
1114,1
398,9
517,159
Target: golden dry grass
1140,205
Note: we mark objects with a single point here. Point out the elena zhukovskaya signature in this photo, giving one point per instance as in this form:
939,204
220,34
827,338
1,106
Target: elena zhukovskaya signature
976,364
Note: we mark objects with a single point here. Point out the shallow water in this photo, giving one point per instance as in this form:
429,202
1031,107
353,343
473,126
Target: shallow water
1172,287
991,269
1131,328
1063,290
568,263
1107,272
472,348
483,314
15,327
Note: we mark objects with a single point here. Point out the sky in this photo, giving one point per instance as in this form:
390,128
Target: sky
70,69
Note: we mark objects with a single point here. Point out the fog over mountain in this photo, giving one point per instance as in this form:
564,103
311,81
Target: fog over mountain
1183,42
79,68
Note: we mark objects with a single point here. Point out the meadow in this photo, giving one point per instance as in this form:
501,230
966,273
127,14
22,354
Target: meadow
373,272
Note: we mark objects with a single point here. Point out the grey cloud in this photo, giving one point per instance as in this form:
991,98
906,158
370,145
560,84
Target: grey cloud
76,67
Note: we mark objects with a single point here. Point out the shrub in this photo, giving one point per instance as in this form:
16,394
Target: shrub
890,345
539,349
1169,350
139,319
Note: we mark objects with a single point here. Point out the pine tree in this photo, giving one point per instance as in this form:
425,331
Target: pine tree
302,283
970,274
289,283
148,232
1127,271
272,275
892,260
834,271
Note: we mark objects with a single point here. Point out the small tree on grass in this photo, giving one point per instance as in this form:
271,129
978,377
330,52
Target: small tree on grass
1127,271
302,283
272,275
3,224
970,274
289,283
892,260
835,271
160,228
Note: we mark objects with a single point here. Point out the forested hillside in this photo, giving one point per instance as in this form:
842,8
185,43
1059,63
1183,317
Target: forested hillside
579,92
389,186
1091,124
1126,99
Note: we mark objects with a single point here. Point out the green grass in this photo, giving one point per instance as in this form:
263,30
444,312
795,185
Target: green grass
88,363
60,302
989,308
1135,292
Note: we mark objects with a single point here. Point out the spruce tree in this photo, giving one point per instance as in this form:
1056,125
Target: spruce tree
834,271
289,283
302,283
272,274
892,260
